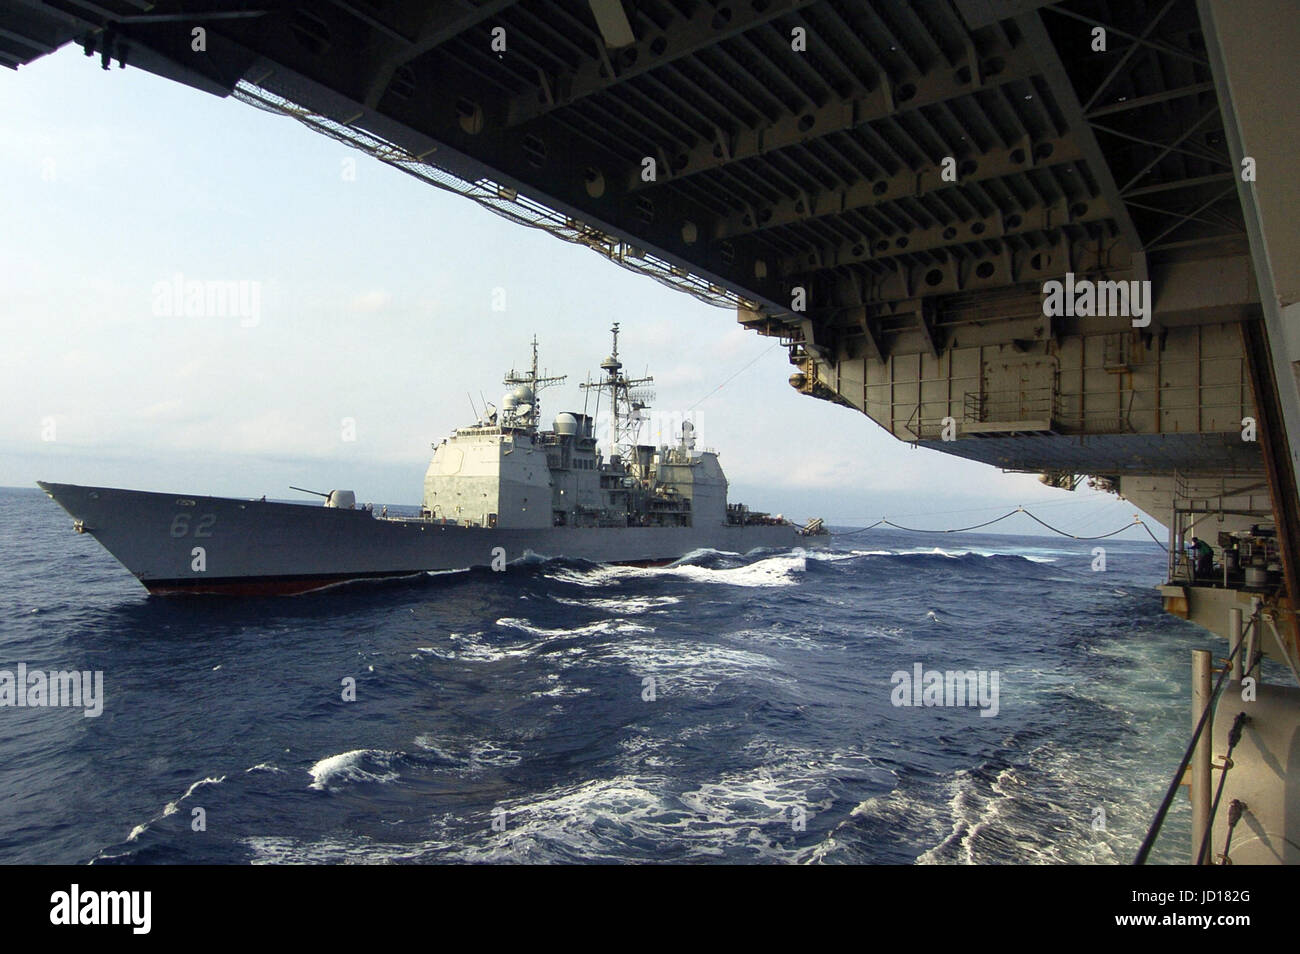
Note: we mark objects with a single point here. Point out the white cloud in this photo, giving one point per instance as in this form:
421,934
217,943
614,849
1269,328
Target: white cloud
372,301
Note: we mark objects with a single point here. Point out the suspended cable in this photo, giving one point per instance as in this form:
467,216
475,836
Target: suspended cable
1137,521
1153,536
757,357
977,526
1102,536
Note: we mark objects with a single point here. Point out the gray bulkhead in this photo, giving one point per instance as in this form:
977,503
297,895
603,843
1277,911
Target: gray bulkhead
489,477
697,478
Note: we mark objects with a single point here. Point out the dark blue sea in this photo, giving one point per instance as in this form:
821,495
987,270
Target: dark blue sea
727,708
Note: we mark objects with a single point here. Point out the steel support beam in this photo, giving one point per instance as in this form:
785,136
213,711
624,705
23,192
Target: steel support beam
1140,102
1031,26
444,20
1041,218
907,183
888,100
680,37
847,287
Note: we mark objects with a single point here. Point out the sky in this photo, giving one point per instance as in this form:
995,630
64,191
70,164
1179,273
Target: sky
376,308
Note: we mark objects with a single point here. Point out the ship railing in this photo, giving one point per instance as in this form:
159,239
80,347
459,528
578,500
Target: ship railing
1012,404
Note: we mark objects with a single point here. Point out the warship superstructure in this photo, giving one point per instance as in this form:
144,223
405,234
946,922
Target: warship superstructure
497,490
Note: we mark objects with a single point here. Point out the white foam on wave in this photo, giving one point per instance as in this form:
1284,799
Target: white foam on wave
557,689
1038,812
791,781
472,647
746,815
770,571
694,667
631,605
688,665
470,754
172,807
973,814
281,850
778,635
600,626
836,556
347,767
779,570
700,552
592,822
1032,555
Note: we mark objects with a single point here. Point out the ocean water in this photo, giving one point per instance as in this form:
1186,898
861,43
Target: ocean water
729,708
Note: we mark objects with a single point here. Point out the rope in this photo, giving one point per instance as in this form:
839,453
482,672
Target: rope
1259,657
986,523
1011,513
1153,536
849,533
1149,841
1234,736
1064,534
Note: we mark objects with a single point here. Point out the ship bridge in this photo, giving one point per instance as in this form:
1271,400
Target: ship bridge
1053,237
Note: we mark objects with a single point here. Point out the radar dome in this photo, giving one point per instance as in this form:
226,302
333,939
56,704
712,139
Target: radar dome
566,423
524,394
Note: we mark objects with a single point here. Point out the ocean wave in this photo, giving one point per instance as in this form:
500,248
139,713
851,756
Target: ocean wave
631,605
781,570
702,554
603,626
526,691
770,813
1040,811
694,668
172,807
957,554
357,765
470,754
836,556
810,639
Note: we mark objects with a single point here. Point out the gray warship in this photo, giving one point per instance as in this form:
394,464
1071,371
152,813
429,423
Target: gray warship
495,491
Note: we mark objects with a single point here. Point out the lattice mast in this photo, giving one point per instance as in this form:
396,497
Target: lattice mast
628,399
529,409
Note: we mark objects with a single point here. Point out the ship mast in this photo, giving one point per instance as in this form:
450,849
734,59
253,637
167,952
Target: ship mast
625,403
534,382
